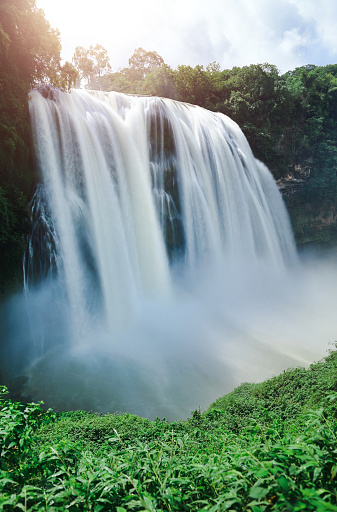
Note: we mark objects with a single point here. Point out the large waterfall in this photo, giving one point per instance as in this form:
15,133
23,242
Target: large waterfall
153,227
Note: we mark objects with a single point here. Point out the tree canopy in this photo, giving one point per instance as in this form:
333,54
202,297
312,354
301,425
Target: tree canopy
91,63
143,62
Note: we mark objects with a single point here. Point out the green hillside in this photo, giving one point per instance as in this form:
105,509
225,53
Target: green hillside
263,447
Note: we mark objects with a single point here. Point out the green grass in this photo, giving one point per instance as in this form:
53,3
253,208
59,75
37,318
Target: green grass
263,447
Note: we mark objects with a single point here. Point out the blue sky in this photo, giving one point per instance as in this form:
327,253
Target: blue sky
287,33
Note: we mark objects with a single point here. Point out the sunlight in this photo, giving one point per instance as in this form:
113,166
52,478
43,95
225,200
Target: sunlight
119,29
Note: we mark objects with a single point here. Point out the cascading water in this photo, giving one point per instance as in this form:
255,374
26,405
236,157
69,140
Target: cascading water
126,176
151,219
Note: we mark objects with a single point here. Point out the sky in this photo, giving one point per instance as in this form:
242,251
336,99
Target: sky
286,33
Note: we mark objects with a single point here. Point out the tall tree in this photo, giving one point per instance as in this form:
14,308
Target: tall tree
142,62
197,85
91,64
29,55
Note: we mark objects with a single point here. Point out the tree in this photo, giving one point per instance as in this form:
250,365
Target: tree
83,63
256,98
29,44
29,55
142,62
101,59
117,81
196,85
91,63
312,137
160,82
68,76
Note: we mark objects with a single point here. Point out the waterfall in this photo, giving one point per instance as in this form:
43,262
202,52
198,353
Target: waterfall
143,202
134,184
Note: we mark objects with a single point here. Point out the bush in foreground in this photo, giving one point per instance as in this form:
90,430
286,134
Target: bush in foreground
263,447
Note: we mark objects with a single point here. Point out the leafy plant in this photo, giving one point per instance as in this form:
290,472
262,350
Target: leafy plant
244,454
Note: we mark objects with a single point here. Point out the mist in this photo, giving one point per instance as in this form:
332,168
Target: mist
180,353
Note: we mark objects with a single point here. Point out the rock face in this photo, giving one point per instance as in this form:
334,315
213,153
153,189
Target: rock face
290,185
313,224
295,180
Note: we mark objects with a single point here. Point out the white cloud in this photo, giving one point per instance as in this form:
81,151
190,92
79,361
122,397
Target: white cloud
323,14
287,33
292,42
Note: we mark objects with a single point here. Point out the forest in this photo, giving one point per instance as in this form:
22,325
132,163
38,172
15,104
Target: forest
290,120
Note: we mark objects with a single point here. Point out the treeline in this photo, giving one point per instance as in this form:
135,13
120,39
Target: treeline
290,120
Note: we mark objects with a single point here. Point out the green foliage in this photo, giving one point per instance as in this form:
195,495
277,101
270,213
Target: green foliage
91,63
13,225
18,422
160,82
270,456
29,55
312,137
195,85
287,396
142,62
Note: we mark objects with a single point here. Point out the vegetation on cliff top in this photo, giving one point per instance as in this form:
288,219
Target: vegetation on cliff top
263,447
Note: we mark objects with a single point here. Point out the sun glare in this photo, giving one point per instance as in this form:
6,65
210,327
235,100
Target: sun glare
119,28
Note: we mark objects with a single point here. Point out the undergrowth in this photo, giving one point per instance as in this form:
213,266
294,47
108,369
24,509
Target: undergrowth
263,447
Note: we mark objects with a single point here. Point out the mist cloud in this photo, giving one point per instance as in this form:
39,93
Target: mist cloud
184,351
